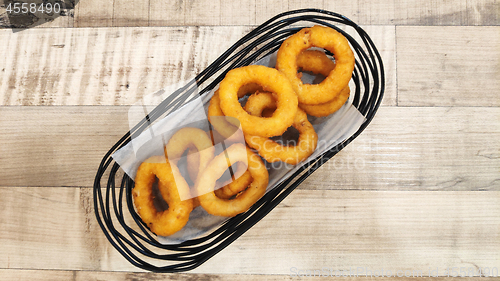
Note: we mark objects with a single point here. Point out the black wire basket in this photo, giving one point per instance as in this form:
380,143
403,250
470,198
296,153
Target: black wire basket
113,204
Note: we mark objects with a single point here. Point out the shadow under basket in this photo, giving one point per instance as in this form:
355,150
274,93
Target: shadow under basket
113,204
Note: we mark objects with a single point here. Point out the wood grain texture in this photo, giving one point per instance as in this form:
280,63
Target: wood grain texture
435,69
91,13
411,230
245,12
480,12
131,13
240,12
94,13
202,12
164,13
418,190
77,275
118,66
266,9
431,12
104,66
63,145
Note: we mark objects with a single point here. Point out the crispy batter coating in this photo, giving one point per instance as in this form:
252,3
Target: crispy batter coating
185,138
273,151
271,80
225,126
167,222
318,63
231,207
338,78
240,180
327,108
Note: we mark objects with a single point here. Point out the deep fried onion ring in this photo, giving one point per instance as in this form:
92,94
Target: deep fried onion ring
327,108
186,137
220,123
338,78
172,188
318,63
229,208
315,61
273,151
271,80
240,180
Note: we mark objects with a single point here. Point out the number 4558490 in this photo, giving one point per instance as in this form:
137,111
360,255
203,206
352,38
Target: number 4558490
24,8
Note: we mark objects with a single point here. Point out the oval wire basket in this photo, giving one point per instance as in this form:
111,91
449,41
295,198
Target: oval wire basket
136,243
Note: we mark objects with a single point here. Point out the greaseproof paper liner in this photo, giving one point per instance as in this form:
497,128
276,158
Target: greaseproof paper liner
331,130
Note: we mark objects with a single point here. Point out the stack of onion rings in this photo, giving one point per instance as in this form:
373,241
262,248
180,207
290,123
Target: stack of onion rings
318,63
338,78
231,207
278,99
273,151
271,80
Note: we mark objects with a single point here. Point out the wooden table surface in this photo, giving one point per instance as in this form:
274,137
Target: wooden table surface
418,190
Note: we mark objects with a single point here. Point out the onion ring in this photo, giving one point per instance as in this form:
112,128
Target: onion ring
240,182
327,108
186,137
271,150
318,63
241,178
172,188
271,80
229,208
315,61
221,124
338,78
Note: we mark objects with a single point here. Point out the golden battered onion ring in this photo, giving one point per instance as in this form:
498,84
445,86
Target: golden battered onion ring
269,149
323,37
172,188
241,178
221,124
315,61
186,137
327,108
239,183
229,208
318,63
271,80
249,89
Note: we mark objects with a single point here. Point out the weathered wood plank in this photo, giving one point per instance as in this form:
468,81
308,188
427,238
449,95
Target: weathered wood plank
77,275
402,12
303,4
241,12
445,149
338,230
202,12
348,8
430,12
266,9
131,13
94,13
376,12
434,68
481,12
118,66
166,13
408,148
